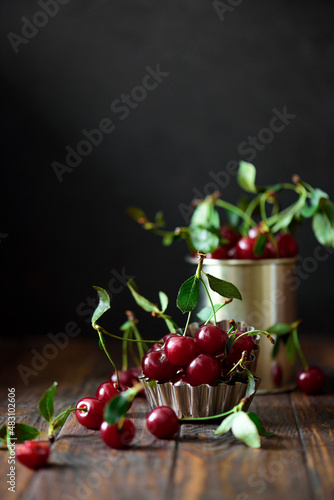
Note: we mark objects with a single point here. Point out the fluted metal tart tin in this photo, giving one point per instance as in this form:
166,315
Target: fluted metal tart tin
204,400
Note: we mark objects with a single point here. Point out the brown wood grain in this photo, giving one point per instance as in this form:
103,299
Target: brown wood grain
297,462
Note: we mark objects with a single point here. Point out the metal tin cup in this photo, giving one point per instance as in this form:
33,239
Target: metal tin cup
269,296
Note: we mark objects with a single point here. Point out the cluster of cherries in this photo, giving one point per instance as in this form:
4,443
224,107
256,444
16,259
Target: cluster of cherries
195,361
239,247
162,422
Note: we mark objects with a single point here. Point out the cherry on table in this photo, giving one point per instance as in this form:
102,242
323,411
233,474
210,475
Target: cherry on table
157,367
91,415
162,422
33,454
311,380
126,378
116,437
211,339
107,390
204,369
181,350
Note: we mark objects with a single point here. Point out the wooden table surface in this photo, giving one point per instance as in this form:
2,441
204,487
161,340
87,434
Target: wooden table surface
296,463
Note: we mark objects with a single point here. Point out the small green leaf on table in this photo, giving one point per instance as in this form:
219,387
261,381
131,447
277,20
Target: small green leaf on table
24,432
45,404
244,429
118,406
226,424
60,419
262,431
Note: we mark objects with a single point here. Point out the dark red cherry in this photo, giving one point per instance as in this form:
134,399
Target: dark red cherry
254,232
118,438
32,454
311,380
181,350
230,234
157,367
156,347
180,379
219,253
204,369
244,249
162,422
91,415
126,378
242,342
232,253
287,245
211,339
276,374
107,390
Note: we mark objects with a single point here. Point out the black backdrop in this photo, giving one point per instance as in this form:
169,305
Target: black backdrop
218,72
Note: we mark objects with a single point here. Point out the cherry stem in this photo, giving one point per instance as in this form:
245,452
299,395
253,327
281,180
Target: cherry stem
125,349
227,301
299,349
138,337
232,208
100,331
236,408
187,324
211,303
239,363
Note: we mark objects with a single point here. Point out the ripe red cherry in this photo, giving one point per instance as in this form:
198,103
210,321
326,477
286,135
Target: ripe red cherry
311,380
254,232
231,234
126,378
211,339
287,245
276,374
180,379
181,350
107,390
156,347
157,367
118,438
219,253
33,454
244,249
162,422
204,369
92,417
243,342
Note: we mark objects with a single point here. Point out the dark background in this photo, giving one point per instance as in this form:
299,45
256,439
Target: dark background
225,77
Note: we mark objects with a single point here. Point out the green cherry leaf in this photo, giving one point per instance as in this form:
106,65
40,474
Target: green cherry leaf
279,329
224,288
45,405
315,200
262,431
250,383
203,239
60,419
275,350
246,176
260,245
24,432
290,349
244,429
163,301
140,300
103,305
3,435
204,229
323,224
118,406
187,297
226,424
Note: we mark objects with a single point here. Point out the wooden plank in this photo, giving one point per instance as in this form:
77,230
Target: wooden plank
315,418
211,466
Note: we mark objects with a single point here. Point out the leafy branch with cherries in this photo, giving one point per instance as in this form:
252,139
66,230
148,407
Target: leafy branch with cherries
256,227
